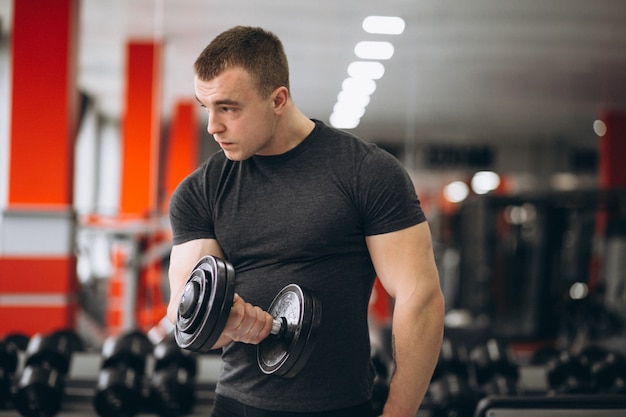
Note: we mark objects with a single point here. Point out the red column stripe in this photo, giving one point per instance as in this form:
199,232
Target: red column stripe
43,102
140,150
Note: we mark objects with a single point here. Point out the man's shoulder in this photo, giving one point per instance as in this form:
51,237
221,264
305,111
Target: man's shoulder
340,139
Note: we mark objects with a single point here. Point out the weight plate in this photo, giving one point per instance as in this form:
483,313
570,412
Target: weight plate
205,304
286,354
218,315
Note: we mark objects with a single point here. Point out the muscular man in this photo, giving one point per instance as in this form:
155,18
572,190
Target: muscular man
291,200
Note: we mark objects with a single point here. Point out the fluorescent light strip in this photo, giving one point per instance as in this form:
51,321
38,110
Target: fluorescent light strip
374,50
354,98
357,89
383,25
370,70
359,85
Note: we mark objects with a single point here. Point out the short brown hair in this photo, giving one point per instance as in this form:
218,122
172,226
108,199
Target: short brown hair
258,51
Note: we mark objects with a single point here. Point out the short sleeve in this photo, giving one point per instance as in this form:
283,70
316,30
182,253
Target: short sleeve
190,211
387,195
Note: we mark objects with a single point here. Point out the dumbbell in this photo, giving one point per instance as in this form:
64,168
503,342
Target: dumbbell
453,358
8,366
18,339
609,373
567,374
493,369
449,392
119,389
41,385
606,369
172,385
383,366
205,305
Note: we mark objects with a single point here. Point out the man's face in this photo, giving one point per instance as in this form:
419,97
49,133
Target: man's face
240,120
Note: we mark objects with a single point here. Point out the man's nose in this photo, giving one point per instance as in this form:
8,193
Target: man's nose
214,125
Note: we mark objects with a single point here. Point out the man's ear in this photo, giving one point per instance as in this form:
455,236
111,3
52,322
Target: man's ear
280,97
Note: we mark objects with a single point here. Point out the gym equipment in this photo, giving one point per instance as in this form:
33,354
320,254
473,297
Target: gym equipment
552,406
172,386
452,359
118,392
451,395
41,386
127,350
383,365
8,365
18,339
608,374
39,392
51,351
493,370
566,374
119,389
492,358
205,306
604,370
450,392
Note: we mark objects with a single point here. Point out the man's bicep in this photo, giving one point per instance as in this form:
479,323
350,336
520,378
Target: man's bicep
404,260
185,255
183,258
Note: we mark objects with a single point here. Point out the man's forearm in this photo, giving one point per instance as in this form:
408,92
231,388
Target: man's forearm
417,336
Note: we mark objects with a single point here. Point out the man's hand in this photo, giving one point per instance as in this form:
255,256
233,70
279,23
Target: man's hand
247,323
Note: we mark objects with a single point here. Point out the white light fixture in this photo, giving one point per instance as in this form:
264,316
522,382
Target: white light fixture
353,98
366,69
373,50
363,86
456,191
355,112
384,25
485,181
357,89
343,122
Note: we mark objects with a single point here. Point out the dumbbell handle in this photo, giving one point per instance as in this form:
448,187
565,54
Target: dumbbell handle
279,325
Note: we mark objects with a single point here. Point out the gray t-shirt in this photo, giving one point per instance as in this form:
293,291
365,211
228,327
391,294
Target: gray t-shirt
301,217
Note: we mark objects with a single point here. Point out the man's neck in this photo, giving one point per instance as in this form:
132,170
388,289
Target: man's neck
294,127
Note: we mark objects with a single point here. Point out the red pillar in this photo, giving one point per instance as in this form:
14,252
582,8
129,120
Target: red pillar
135,297
140,135
43,103
38,282
182,150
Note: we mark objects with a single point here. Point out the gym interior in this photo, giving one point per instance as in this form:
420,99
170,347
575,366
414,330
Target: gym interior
510,118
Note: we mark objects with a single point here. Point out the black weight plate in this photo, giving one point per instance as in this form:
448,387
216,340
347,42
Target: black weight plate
188,331
218,315
192,331
216,283
193,302
286,354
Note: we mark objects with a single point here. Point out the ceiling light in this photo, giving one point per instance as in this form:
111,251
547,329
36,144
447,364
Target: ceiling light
373,50
349,110
456,191
343,122
385,25
364,69
353,98
485,181
359,85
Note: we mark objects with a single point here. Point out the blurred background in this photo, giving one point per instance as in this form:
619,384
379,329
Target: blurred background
510,117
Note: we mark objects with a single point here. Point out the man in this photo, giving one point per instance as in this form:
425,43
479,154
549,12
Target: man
290,200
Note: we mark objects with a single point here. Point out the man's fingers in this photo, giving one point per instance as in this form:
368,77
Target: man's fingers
247,323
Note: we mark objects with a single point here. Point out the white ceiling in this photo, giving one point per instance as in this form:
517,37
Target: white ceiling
474,71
